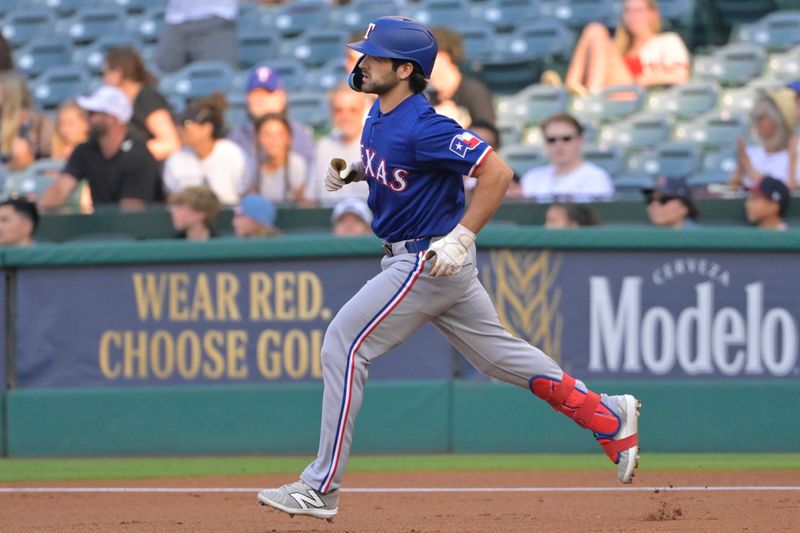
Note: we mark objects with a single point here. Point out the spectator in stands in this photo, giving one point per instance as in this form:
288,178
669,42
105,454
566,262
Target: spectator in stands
194,212
72,129
570,215
767,202
151,122
19,219
255,217
351,216
347,117
461,97
207,158
281,171
567,175
6,59
25,135
670,204
198,30
774,118
119,169
266,95
638,53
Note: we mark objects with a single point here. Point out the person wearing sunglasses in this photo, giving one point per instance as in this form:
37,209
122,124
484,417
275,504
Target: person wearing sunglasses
567,176
670,205
774,119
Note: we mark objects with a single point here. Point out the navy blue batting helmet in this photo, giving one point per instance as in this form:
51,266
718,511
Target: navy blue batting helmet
396,38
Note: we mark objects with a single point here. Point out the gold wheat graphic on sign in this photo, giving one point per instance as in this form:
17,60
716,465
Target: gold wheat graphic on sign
521,285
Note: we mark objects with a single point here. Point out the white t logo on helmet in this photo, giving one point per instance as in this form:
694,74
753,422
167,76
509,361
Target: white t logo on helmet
369,30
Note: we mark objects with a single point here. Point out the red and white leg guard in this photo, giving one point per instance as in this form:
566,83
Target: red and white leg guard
585,409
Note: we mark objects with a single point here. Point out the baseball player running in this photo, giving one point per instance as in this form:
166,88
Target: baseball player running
413,160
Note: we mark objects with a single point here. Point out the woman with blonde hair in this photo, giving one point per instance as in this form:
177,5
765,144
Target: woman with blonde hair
25,135
72,129
151,122
638,53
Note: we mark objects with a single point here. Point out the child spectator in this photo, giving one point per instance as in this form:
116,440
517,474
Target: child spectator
72,129
567,175
194,212
255,217
767,202
19,219
25,135
207,158
670,204
639,53
151,122
561,216
281,171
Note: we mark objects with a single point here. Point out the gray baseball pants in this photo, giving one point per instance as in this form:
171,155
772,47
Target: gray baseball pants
386,311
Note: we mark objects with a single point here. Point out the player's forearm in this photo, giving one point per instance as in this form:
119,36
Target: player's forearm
493,176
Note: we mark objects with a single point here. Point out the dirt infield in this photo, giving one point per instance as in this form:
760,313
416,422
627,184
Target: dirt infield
584,508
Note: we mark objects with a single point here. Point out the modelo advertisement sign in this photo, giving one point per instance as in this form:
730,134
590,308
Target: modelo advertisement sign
653,314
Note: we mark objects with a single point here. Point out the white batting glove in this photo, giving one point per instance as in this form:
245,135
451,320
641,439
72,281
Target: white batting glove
340,172
450,253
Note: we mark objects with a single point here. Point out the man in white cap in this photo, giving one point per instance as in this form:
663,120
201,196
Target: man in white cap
351,216
118,169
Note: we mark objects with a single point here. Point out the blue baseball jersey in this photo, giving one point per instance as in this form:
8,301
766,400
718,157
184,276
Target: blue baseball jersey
414,160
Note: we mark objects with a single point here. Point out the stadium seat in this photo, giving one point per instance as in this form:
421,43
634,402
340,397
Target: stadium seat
90,23
785,66
34,179
676,12
505,15
741,99
478,41
776,31
319,47
686,100
198,79
642,130
510,131
447,13
715,168
715,129
734,12
42,52
310,108
256,47
294,18
327,76
292,72
578,13
356,15
133,7
522,157
23,24
148,25
519,58
609,158
60,83
93,56
64,8
612,104
673,160
534,104
237,109
734,64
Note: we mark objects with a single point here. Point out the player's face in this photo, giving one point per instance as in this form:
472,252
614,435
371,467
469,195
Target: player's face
665,210
14,228
563,143
379,75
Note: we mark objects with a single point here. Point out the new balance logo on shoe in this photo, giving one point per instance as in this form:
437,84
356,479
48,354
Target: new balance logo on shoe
310,498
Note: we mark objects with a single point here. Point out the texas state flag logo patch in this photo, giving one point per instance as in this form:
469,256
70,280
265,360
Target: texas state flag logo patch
463,142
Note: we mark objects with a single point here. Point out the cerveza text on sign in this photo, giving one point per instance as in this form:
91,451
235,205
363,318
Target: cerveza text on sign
206,344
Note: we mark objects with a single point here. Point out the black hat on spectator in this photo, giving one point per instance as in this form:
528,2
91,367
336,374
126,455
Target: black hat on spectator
673,187
774,190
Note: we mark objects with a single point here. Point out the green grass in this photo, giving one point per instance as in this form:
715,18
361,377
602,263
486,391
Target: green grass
133,468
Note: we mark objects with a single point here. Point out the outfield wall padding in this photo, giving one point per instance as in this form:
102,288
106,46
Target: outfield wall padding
397,417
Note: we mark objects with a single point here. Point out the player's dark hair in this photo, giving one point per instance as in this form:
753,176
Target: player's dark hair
563,117
416,81
25,208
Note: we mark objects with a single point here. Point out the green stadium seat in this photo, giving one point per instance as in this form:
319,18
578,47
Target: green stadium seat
310,108
715,129
612,104
319,47
534,104
198,80
59,83
578,13
741,99
776,31
686,100
41,53
358,13
255,46
294,18
478,40
327,76
446,13
610,158
735,64
506,15
148,25
522,157
34,179
25,23
642,130
785,66
92,22
670,159
64,8
716,167
93,55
